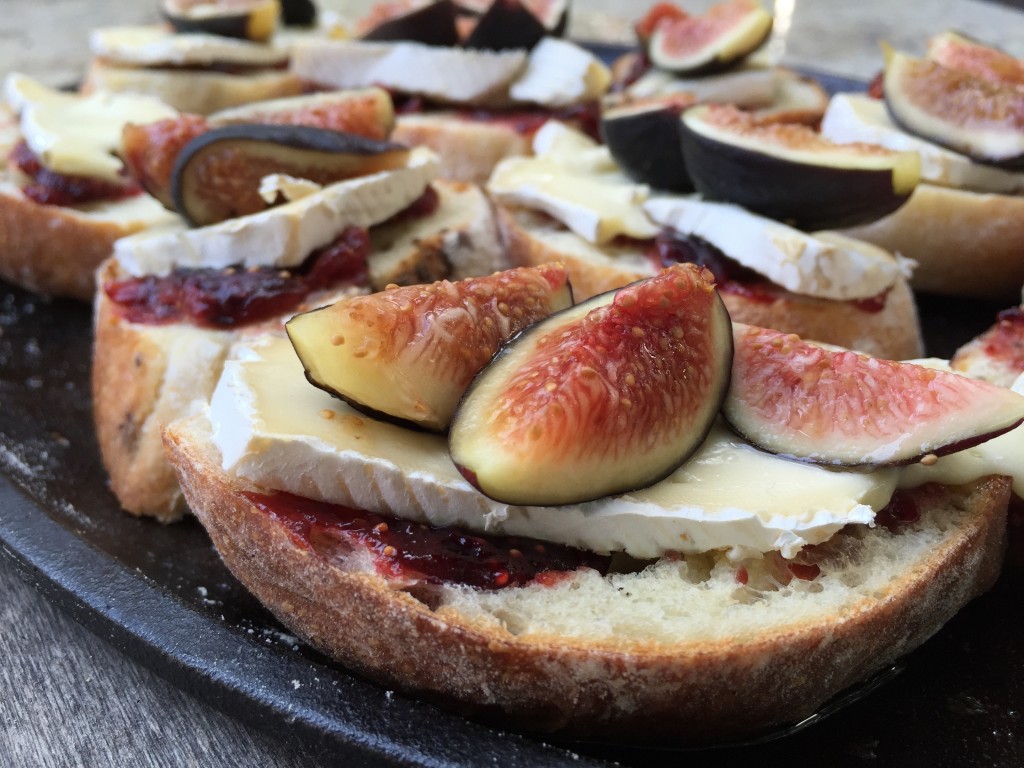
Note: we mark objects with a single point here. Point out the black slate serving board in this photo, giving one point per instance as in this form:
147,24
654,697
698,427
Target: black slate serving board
161,594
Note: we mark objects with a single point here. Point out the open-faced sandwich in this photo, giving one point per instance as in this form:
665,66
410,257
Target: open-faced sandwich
65,196
473,84
961,108
594,549
572,203
287,217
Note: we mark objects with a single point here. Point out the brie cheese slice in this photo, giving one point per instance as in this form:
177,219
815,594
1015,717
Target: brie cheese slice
827,265
283,236
274,429
559,73
150,46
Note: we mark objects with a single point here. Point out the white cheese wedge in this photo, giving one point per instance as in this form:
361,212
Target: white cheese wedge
748,88
288,187
576,181
559,73
274,429
151,46
454,75
827,267
854,117
283,236
78,135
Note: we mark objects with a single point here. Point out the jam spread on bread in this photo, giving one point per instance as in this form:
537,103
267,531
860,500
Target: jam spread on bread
51,188
219,298
407,550
1005,340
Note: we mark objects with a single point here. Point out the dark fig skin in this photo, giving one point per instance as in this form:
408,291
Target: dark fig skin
433,24
647,142
318,154
810,196
298,13
506,25
256,23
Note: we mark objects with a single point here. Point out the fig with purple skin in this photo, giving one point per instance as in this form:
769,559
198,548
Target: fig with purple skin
506,25
645,139
797,399
789,172
431,24
609,396
690,45
956,51
407,354
974,116
253,20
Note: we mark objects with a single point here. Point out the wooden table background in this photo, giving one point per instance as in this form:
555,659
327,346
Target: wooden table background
69,699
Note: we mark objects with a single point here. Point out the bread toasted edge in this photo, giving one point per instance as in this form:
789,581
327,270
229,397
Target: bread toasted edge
684,692
892,332
965,243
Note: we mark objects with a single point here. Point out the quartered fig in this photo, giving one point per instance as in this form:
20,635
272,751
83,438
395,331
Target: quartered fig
954,50
506,25
842,408
957,110
253,20
217,174
606,397
430,24
645,139
298,13
725,34
407,354
788,172
798,99
552,14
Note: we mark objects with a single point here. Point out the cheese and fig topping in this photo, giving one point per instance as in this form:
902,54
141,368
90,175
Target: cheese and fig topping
48,187
254,20
998,354
156,46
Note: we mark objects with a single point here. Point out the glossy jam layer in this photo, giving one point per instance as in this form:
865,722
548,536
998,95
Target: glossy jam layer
406,550
230,298
51,188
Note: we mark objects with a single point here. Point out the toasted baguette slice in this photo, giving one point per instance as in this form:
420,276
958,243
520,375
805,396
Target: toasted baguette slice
144,376
191,90
55,250
469,149
679,652
891,332
965,243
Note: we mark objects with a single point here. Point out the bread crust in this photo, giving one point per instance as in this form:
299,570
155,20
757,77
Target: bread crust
679,692
892,332
53,250
190,90
469,149
965,243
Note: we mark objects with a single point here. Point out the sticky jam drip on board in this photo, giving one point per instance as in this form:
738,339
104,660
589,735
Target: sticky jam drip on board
672,247
51,188
403,549
234,297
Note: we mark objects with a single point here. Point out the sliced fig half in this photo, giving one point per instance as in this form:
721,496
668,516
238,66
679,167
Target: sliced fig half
962,112
506,25
217,175
645,138
842,408
954,50
407,354
253,20
430,24
606,397
789,172
728,32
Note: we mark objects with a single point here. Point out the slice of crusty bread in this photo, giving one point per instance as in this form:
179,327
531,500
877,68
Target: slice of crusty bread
469,149
144,376
678,652
964,243
188,90
892,332
55,250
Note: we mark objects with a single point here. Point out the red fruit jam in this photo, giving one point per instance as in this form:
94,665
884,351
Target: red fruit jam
51,188
901,510
230,298
674,247
408,550
1005,341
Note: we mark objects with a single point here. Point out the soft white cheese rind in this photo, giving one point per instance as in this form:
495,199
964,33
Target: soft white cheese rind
559,73
285,235
155,45
853,117
815,266
270,428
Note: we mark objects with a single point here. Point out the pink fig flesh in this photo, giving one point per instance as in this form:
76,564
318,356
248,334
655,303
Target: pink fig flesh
606,397
797,399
